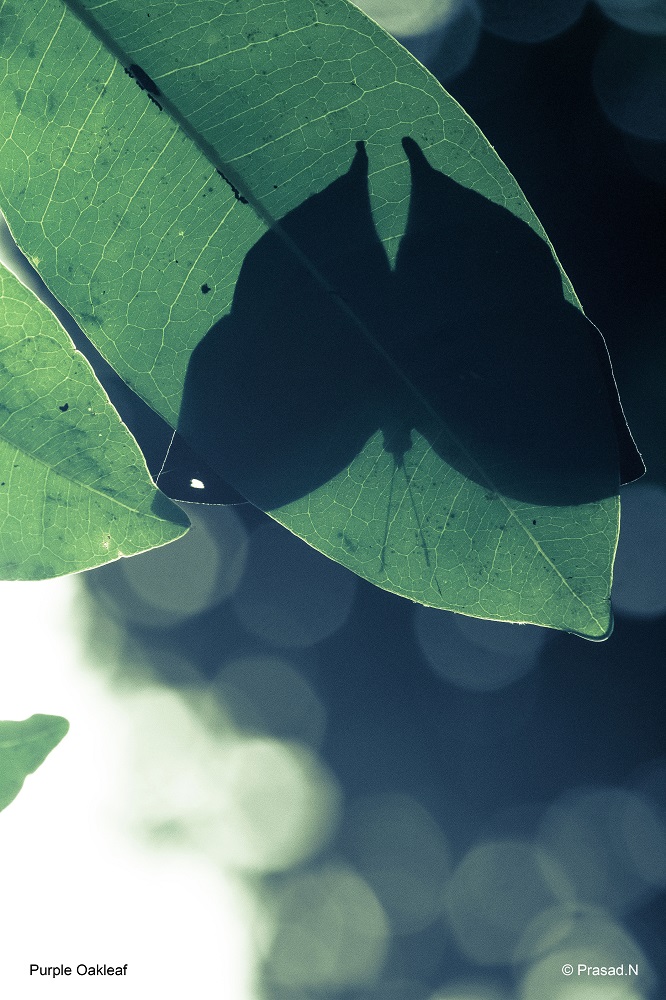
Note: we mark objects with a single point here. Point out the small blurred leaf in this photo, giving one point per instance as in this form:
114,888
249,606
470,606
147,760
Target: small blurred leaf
74,488
23,747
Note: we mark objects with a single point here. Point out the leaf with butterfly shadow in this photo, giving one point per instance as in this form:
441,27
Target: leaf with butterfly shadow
141,213
449,430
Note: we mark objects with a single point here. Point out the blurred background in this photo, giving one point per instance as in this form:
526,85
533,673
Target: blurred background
282,783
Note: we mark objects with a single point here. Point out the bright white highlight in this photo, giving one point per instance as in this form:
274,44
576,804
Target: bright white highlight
77,885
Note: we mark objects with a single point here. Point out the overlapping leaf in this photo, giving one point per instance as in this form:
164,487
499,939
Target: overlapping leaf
74,488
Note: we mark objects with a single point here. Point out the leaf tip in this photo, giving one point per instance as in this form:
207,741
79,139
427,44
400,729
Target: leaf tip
601,628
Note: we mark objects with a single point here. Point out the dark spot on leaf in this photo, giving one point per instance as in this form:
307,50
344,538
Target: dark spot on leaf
144,81
533,522
205,289
64,408
88,317
237,195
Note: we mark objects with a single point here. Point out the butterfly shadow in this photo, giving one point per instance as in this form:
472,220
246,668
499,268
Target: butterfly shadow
467,342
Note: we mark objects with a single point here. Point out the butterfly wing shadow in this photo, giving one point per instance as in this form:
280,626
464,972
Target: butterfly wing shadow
283,393
518,384
469,342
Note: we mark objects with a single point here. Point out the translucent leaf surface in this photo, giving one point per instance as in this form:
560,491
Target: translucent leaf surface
74,488
153,201
23,747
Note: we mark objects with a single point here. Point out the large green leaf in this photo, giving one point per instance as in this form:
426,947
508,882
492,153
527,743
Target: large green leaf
140,213
23,747
74,488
